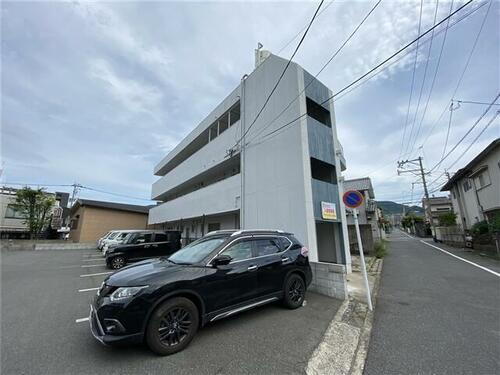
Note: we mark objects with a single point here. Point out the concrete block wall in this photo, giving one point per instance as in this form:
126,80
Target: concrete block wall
329,279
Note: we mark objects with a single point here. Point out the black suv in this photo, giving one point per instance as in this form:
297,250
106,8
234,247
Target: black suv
164,301
140,245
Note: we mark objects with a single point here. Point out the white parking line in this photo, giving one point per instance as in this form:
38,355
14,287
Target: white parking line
96,274
82,320
87,290
462,259
90,260
93,265
92,255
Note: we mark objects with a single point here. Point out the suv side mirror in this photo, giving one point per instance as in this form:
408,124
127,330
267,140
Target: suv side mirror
221,260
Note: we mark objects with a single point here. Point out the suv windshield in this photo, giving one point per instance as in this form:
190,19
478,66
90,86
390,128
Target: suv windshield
196,251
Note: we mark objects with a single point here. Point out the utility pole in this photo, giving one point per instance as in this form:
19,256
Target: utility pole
76,189
419,171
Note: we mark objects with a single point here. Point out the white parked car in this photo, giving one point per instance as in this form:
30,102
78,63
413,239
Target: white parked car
100,241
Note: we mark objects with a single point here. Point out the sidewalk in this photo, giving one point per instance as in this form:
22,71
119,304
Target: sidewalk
345,344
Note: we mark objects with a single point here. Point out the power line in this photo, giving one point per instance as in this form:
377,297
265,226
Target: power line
471,102
76,186
471,144
471,53
423,81
419,126
33,184
305,27
115,194
412,81
467,133
373,69
320,71
435,74
282,74
444,29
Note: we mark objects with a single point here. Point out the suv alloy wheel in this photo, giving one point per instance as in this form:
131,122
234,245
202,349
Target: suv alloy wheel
117,262
172,326
294,293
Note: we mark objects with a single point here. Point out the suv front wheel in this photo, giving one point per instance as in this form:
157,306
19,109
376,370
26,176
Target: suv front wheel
172,326
117,262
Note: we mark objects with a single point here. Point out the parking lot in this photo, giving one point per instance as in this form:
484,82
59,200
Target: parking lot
45,304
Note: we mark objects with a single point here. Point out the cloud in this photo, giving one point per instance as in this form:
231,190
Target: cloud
104,100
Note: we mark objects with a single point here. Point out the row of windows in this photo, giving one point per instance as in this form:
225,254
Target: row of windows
229,118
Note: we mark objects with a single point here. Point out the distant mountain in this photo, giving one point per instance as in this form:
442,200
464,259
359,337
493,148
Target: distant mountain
389,207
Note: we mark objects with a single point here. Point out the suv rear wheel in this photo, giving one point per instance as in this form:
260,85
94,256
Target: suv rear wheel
172,326
295,291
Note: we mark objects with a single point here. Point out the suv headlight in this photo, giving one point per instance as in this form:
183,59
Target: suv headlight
126,292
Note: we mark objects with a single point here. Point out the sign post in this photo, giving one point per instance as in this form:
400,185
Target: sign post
353,199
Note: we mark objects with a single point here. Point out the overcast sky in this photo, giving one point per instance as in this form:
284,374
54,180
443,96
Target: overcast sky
98,93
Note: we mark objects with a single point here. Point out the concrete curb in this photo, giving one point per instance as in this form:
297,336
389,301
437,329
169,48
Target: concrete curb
345,343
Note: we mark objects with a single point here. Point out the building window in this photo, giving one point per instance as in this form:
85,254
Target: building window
323,171
212,227
213,132
13,213
234,114
483,179
318,112
466,185
224,122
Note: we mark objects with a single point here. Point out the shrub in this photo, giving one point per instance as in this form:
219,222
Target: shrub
380,249
481,227
448,219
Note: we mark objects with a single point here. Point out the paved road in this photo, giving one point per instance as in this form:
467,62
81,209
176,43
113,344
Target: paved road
39,335
435,314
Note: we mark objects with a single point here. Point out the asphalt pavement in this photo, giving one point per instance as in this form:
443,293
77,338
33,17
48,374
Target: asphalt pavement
435,314
45,302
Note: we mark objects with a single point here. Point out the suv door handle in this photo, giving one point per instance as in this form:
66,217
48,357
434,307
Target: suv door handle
283,260
252,268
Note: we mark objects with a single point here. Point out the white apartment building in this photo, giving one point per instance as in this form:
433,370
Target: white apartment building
281,175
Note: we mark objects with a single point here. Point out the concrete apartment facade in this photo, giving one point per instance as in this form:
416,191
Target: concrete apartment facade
90,220
368,215
435,207
475,189
278,180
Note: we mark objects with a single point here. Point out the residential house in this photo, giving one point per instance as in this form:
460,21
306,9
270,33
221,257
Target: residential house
12,222
475,188
435,207
90,219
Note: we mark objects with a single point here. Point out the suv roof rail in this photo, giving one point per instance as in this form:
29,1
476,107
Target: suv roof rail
220,231
258,230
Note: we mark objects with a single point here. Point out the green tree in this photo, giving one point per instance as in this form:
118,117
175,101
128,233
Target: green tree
448,219
36,207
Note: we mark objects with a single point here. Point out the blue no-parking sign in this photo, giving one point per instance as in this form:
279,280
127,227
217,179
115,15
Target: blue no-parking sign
353,198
